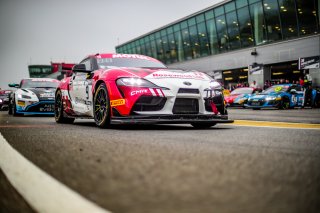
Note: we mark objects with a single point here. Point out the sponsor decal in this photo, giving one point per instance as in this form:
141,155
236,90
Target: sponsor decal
157,92
130,56
21,103
309,62
117,102
136,92
196,75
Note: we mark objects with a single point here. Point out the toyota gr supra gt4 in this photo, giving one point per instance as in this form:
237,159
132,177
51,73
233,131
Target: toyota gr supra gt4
281,96
4,99
33,96
239,97
137,89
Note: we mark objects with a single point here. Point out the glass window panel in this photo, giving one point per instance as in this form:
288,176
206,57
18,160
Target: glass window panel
254,1
203,39
153,47
222,33
191,21
179,45
209,14
218,11
246,35
163,32
172,48
160,51
200,18
213,37
229,7
157,35
186,44
183,24
148,49
233,31
142,49
241,3
166,51
176,27
271,12
194,42
307,17
170,30
288,18
152,36
258,26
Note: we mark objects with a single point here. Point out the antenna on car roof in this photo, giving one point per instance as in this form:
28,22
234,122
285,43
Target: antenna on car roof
97,54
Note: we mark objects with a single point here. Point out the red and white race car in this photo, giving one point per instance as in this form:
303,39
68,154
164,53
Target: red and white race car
131,89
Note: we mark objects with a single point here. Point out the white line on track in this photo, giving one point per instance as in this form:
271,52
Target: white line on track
41,191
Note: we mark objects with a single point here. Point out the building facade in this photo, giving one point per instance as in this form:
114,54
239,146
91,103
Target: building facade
239,40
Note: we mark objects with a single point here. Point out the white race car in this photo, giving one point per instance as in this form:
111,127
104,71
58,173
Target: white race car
33,96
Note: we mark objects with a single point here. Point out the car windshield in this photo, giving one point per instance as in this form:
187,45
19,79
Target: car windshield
242,91
31,83
276,88
128,62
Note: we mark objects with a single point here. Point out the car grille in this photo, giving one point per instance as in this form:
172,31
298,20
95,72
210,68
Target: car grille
149,103
41,107
186,106
187,90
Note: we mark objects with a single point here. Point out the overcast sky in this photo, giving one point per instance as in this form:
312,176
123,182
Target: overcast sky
40,31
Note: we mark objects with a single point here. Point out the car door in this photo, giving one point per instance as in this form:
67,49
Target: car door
80,92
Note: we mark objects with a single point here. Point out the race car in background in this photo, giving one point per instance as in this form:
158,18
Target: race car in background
33,96
281,96
137,89
4,99
239,97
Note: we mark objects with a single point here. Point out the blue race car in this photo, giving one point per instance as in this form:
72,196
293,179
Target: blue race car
281,96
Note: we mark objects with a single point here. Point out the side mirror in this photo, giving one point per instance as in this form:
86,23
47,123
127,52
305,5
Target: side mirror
80,68
14,85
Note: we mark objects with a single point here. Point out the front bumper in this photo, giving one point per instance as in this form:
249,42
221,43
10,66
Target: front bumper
41,107
171,119
263,104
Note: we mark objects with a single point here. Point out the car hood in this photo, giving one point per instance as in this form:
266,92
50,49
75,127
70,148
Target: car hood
41,93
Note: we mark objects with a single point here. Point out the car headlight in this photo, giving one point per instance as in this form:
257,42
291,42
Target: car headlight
135,82
24,96
215,85
270,98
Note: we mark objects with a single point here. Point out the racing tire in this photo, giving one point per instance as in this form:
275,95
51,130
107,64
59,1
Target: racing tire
9,109
203,125
14,110
101,107
284,103
58,110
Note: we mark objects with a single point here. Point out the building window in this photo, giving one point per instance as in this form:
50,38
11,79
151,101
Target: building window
307,16
222,33
288,18
179,45
233,31
195,46
213,38
245,27
203,39
271,12
258,25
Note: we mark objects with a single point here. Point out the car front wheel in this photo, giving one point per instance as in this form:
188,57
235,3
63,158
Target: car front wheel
101,107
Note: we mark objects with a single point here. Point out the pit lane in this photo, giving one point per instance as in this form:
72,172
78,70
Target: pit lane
175,168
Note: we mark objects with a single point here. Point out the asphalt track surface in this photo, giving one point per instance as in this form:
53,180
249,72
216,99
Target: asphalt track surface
176,168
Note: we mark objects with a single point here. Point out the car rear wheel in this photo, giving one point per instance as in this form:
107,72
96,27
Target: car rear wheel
58,110
101,107
203,125
284,103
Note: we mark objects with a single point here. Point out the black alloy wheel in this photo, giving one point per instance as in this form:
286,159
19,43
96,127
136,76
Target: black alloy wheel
58,110
14,109
101,107
284,103
10,107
